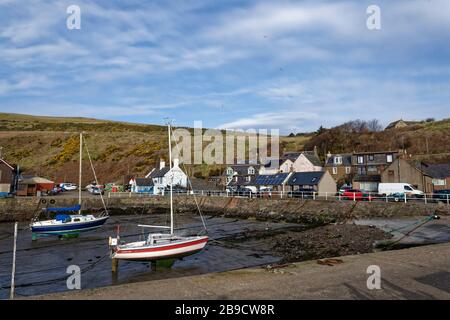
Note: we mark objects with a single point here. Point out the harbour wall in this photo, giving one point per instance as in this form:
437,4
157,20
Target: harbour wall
288,210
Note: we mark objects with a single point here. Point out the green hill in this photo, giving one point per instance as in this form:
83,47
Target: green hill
48,146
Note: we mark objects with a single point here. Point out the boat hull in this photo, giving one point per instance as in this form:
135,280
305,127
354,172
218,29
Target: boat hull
177,249
69,228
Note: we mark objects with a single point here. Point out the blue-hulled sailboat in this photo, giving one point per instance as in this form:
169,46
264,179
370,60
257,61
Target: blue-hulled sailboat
65,223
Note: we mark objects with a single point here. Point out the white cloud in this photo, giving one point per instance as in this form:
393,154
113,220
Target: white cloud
271,120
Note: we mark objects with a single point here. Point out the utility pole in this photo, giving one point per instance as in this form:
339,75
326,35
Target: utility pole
13,272
80,173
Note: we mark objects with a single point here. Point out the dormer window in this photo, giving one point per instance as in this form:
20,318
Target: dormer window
338,160
360,159
251,170
229,171
389,158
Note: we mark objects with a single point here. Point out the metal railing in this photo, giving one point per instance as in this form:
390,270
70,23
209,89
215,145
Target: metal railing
306,195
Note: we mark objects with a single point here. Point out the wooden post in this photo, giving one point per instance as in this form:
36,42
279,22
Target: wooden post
13,273
114,265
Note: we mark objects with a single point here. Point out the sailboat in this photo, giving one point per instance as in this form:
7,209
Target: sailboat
159,246
69,224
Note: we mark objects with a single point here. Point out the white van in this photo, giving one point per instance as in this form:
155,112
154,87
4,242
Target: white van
390,188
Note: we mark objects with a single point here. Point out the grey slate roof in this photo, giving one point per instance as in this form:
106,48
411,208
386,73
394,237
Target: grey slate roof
159,173
346,159
144,182
313,159
439,171
291,155
242,169
305,178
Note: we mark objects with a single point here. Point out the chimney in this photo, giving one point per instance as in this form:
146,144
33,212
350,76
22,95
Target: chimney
176,162
162,164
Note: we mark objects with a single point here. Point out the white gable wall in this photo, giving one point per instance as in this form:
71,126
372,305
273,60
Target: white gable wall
302,164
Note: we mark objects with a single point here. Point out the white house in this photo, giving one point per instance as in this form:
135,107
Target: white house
164,175
306,161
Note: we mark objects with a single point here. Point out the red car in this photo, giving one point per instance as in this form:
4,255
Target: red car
357,195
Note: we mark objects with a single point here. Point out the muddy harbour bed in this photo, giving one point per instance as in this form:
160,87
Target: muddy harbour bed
234,244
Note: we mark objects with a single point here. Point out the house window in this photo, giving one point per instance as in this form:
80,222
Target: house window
229,179
348,170
371,157
251,170
335,171
360,159
372,169
229,171
248,178
338,160
438,182
389,158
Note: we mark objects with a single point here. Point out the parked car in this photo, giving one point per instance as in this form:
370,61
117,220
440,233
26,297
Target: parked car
391,188
240,192
355,194
442,195
93,185
302,193
396,197
175,189
53,192
343,189
96,190
67,186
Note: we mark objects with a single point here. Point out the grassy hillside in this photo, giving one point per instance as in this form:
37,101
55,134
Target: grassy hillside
48,146
428,141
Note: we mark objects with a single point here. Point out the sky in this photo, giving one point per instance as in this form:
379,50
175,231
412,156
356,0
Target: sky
287,65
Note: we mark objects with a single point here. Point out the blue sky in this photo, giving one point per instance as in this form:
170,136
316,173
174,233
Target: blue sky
291,65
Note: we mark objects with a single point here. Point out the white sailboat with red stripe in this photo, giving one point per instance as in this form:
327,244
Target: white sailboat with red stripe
159,246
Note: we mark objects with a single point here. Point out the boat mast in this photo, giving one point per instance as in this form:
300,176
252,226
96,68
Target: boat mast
171,181
79,178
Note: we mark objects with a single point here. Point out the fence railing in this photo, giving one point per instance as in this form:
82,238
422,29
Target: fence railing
355,196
